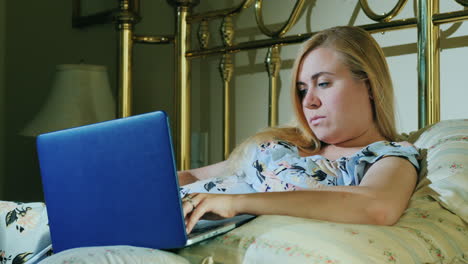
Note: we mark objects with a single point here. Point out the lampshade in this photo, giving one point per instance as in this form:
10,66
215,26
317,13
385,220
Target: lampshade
80,95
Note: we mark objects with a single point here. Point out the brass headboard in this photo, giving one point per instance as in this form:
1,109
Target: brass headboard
427,21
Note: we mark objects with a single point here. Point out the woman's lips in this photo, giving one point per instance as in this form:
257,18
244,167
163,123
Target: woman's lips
316,120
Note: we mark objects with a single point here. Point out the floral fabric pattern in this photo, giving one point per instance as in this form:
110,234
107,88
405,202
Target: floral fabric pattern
24,231
23,217
277,166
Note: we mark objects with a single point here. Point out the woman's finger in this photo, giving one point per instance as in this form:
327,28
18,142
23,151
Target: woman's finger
187,208
189,203
193,220
195,216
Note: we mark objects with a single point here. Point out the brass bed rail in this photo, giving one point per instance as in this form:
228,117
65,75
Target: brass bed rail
427,21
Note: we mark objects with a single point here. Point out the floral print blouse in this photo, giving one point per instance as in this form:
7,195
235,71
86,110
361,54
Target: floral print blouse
277,166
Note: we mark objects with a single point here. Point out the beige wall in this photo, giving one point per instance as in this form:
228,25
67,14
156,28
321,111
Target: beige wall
2,95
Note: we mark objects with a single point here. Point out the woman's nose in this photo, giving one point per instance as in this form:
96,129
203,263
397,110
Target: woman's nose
311,100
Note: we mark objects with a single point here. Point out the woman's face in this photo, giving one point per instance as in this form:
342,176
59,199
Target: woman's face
336,106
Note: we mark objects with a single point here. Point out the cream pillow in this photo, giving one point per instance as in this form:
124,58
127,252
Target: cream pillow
447,163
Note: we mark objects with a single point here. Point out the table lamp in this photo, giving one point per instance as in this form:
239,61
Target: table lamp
80,95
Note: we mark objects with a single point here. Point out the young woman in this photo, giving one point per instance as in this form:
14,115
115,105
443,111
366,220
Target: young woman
340,160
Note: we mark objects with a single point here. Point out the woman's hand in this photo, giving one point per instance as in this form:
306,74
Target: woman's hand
207,205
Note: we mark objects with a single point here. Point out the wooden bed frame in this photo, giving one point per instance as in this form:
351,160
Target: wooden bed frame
427,21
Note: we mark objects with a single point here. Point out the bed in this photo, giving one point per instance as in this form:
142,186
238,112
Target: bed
434,228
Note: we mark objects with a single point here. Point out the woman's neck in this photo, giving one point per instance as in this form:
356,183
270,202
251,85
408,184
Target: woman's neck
368,136
350,146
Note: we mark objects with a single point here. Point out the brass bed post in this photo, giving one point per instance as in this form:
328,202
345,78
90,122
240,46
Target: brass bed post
428,64
125,18
182,81
273,64
226,69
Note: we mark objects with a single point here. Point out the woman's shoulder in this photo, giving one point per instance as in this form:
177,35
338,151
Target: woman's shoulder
380,149
391,146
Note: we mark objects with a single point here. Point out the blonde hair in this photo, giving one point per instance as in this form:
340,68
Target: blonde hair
366,61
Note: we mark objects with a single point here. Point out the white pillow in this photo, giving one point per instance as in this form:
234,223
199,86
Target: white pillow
447,163
24,231
114,254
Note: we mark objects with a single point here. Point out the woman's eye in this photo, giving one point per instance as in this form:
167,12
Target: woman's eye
302,93
323,84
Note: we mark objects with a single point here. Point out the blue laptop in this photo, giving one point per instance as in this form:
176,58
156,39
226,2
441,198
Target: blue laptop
115,183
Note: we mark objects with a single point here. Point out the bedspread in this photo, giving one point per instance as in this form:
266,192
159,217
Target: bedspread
426,233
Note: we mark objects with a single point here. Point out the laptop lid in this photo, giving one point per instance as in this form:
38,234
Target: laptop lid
112,183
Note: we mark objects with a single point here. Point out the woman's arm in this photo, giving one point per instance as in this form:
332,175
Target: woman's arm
210,171
380,199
